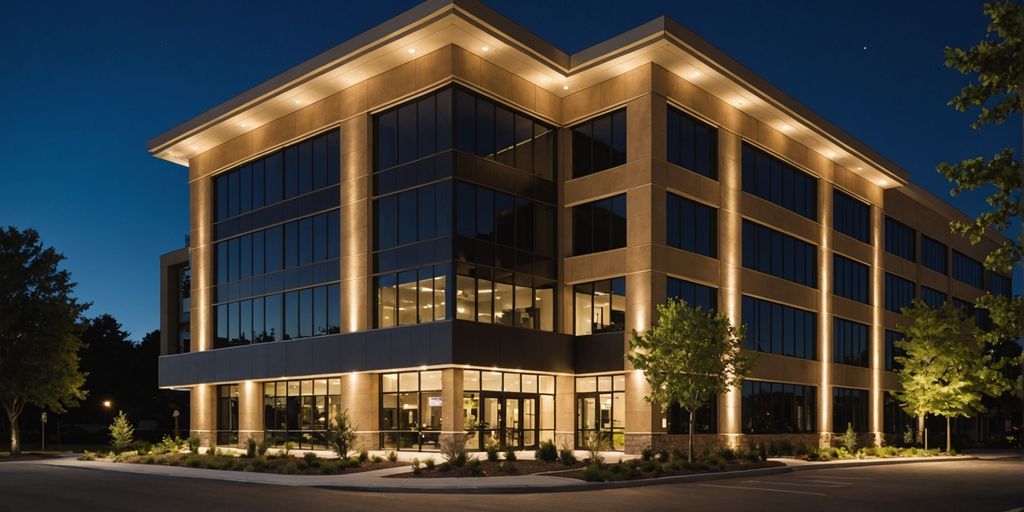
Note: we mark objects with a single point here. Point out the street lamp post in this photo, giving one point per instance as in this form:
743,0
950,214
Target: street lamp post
175,415
42,419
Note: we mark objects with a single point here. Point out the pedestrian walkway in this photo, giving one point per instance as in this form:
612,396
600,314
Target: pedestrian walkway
376,481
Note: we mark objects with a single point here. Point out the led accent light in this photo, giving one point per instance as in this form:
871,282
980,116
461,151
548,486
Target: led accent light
485,48
411,51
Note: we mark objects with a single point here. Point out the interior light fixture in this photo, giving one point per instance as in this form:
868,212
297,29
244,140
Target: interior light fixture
485,48
411,51
565,87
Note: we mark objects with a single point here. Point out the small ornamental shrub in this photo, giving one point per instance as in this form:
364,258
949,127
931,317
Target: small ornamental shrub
547,451
474,467
510,455
250,448
508,467
429,463
341,434
328,468
290,468
121,432
453,450
87,455
727,454
376,459
492,451
663,456
416,469
364,456
310,458
288,447
566,456
649,466
392,456
647,454
594,473
444,467
849,439
261,448
193,444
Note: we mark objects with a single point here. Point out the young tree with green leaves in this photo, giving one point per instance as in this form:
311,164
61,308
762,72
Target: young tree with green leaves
945,370
39,341
688,357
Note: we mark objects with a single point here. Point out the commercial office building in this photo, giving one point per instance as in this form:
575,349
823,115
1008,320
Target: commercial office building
448,227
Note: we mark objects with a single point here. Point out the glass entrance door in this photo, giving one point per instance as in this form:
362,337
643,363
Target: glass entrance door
510,420
586,419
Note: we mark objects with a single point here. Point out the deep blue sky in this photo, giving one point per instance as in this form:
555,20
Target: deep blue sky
85,84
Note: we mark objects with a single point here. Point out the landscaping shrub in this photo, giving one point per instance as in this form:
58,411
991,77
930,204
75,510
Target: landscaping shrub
340,434
491,450
288,447
416,469
327,467
784,447
508,467
354,462
262,447
566,456
649,466
376,458
510,455
453,450
193,444
547,451
593,473
429,463
310,458
474,467
849,439
250,447
444,467
595,444
121,432
647,454
364,456
290,468
142,446
392,456
727,454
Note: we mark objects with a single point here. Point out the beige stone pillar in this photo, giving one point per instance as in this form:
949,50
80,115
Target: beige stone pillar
356,239
877,319
825,313
203,413
730,256
250,412
565,411
452,427
360,397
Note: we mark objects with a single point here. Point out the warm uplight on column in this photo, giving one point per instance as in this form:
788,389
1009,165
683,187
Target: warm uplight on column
730,251
825,308
877,328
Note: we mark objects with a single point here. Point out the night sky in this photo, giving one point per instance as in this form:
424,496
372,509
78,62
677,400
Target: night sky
85,86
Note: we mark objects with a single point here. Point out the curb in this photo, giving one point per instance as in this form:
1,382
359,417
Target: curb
880,462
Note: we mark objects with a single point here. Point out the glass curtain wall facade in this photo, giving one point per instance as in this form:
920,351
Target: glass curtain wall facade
506,409
441,236
410,410
299,411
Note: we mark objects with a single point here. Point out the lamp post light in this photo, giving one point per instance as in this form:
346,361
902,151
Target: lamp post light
42,419
175,415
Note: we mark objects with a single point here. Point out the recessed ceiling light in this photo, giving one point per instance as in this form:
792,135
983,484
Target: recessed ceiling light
411,50
297,101
860,168
485,48
565,87
695,74
830,154
739,103
243,125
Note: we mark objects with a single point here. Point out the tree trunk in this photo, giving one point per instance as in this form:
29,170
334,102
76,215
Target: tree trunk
689,441
15,434
948,431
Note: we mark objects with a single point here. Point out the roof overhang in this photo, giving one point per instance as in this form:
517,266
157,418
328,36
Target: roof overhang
476,28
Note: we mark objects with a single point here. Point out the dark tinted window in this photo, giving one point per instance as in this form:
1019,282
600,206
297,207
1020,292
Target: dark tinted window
777,408
778,254
932,297
934,255
691,226
968,270
692,144
999,284
899,292
695,295
849,409
599,144
850,279
772,179
851,216
779,329
891,350
850,342
599,226
899,239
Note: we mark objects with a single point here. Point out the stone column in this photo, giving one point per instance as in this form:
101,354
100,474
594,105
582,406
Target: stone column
825,313
203,413
250,412
730,256
878,319
565,411
452,428
360,397
356,299
203,410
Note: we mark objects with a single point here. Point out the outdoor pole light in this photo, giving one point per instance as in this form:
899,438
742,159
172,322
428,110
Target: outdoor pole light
107,404
42,419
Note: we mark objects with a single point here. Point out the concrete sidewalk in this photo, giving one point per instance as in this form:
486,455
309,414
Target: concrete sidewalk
374,481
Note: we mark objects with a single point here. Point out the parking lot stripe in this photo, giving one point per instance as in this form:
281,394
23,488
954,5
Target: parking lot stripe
770,482
761,489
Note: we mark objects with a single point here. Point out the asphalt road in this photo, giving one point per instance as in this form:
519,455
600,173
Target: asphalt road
974,486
